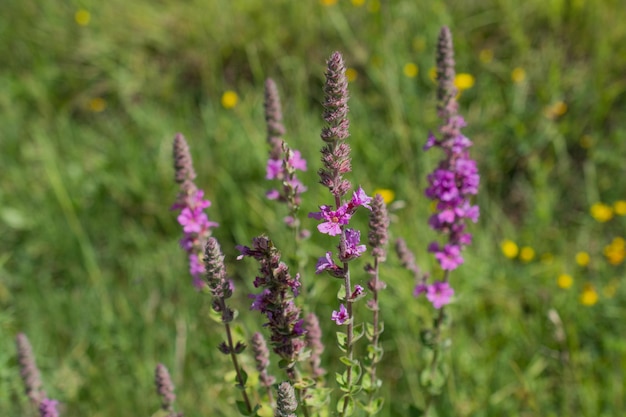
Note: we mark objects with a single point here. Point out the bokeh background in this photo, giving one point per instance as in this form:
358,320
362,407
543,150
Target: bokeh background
92,93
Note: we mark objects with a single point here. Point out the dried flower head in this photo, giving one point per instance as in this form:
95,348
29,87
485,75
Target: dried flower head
28,370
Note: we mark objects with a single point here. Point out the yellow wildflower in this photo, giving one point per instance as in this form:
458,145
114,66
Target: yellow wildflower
526,254
555,110
518,75
619,207
589,296
509,248
410,70
432,74
582,258
97,104
601,212
565,281
328,2
358,3
486,55
351,74
615,252
386,194
82,17
464,81
229,99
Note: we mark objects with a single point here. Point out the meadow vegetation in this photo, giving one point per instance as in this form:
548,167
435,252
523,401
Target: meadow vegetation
92,94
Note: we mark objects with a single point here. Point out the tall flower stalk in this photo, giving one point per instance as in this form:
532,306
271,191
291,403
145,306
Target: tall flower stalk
221,289
191,204
451,185
335,163
165,390
377,238
32,380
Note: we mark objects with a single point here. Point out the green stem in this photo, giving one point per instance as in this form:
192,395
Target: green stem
233,356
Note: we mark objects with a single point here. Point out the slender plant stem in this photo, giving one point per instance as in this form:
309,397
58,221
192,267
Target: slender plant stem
233,356
350,329
375,322
436,347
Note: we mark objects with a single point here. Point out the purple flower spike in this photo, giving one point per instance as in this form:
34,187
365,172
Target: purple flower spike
341,316
456,178
439,293
191,203
350,247
48,408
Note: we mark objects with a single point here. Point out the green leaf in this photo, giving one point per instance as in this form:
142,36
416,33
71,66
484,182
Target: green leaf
358,332
347,361
244,377
304,383
340,379
341,340
243,409
349,407
369,330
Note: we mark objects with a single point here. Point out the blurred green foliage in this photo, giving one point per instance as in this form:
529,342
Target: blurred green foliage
91,94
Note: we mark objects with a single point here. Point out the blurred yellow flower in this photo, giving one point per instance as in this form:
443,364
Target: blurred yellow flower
615,252
464,81
358,3
229,99
518,75
351,74
565,281
555,110
526,254
82,17
586,142
410,70
97,104
601,212
589,296
582,258
509,248
387,194
328,2
619,207
432,74
486,55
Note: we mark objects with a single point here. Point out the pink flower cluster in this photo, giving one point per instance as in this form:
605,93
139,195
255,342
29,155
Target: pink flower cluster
197,229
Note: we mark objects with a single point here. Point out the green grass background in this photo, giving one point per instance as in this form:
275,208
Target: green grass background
90,266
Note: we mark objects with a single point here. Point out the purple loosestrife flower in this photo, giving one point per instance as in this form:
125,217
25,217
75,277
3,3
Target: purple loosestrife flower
341,316
313,337
335,219
439,293
336,153
456,177
165,390
48,408
349,246
283,162
262,359
286,403
276,299
221,288
28,370
191,203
